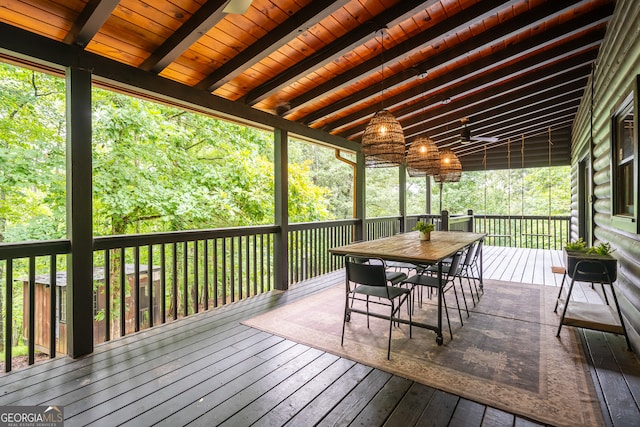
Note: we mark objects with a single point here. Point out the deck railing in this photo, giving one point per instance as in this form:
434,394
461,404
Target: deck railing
148,279
309,245
528,231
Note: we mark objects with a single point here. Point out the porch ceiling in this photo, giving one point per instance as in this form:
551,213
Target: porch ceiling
517,69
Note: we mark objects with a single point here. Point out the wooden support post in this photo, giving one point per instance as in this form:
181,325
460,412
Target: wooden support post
281,241
79,214
360,196
444,221
428,195
402,187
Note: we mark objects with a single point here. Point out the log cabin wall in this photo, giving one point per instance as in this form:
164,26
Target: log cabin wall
616,69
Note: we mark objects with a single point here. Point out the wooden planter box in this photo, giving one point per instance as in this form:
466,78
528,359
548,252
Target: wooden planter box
591,272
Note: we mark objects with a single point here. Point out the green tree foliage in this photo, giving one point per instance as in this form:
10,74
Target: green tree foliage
325,174
32,176
509,192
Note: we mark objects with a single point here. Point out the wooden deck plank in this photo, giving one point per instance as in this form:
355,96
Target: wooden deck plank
467,414
354,402
618,398
409,409
139,365
211,364
270,398
301,398
383,403
439,410
125,404
315,411
496,418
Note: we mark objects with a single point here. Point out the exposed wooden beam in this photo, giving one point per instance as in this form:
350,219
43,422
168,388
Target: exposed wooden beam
89,22
309,15
199,24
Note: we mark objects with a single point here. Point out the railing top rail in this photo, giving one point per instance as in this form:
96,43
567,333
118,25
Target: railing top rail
34,248
460,218
131,240
383,218
494,216
323,224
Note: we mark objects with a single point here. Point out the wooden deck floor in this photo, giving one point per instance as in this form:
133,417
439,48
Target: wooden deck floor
211,370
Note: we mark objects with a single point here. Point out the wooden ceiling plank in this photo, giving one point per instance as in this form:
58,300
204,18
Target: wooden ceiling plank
556,55
557,79
519,102
595,18
501,32
267,45
492,96
91,19
513,122
490,81
336,49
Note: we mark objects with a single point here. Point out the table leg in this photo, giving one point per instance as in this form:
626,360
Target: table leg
480,272
439,339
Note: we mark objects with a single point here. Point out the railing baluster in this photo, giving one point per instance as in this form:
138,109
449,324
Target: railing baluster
163,283
8,324
123,275
150,284
53,286
216,287
32,310
136,269
107,295
196,281
174,284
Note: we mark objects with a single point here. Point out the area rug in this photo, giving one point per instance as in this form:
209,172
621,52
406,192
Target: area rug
506,355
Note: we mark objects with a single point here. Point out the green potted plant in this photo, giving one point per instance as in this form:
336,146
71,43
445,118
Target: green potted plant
578,250
425,230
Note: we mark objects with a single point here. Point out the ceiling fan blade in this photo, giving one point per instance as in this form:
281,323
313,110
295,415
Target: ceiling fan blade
237,6
485,138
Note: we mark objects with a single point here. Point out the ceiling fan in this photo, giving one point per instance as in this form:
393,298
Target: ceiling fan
237,6
465,134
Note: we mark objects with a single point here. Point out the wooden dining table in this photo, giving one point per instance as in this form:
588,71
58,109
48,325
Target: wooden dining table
407,247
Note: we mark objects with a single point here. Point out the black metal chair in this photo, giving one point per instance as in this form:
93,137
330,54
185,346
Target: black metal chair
368,278
465,259
424,279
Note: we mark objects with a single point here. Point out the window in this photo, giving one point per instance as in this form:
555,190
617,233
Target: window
624,172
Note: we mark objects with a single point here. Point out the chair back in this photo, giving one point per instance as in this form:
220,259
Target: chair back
455,265
365,273
471,254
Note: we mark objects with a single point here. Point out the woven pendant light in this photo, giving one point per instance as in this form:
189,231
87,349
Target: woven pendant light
450,167
423,157
383,141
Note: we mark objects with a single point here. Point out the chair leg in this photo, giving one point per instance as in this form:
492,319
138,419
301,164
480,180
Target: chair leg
464,298
446,310
390,328
367,311
453,285
344,319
